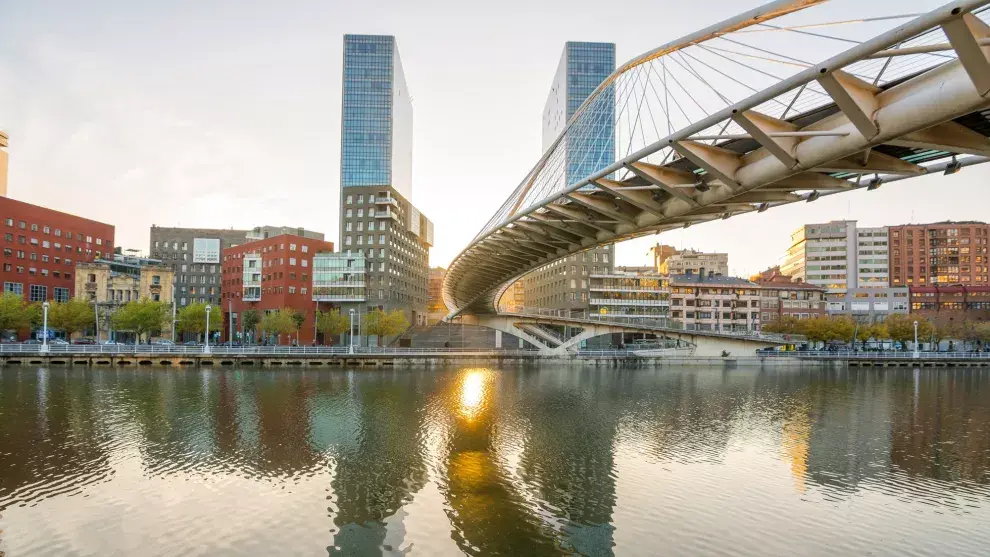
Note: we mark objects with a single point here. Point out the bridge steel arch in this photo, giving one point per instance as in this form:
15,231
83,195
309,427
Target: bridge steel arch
748,155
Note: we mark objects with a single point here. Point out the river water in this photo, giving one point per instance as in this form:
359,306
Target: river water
494,462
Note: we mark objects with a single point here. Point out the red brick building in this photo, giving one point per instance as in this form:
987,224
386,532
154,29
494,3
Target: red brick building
41,248
268,275
940,253
781,296
958,302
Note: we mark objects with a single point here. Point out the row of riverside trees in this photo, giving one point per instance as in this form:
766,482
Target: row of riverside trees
897,327
146,318
332,323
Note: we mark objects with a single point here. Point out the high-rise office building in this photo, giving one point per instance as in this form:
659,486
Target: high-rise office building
378,218
583,67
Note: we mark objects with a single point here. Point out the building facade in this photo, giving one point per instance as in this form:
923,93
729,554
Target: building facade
953,302
514,298
194,256
268,275
630,295
583,67
715,303
873,257
436,307
378,218
942,253
123,280
824,255
781,296
265,232
42,247
695,262
868,305
563,284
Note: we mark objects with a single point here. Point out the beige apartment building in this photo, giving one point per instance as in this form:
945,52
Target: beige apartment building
123,280
695,262
712,302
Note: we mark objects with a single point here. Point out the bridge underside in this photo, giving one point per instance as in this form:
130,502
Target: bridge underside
532,329
867,134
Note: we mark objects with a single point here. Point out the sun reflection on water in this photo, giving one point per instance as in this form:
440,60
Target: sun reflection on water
475,387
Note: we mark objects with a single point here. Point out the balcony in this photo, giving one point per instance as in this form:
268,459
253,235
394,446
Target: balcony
388,213
387,201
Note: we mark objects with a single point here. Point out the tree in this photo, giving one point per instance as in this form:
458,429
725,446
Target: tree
945,327
900,327
331,323
383,324
279,322
192,319
249,321
15,313
143,317
786,325
71,316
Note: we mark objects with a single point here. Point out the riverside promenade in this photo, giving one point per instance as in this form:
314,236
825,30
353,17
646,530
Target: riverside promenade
305,356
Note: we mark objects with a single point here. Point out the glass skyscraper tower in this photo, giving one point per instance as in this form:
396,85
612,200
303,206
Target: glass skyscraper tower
377,119
590,143
589,147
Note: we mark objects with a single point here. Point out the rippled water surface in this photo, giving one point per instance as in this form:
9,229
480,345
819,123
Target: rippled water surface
494,462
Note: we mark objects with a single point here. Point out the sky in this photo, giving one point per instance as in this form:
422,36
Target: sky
210,113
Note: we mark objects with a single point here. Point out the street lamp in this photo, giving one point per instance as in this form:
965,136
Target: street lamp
206,346
351,339
44,327
916,339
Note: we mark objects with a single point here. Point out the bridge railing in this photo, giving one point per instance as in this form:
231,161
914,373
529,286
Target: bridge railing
887,355
167,350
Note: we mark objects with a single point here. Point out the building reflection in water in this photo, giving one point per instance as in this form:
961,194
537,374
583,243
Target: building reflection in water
381,467
523,459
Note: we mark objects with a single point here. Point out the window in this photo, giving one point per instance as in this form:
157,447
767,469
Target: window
45,244
22,225
348,214
360,213
14,287
8,222
156,280
185,246
292,290
38,293
99,241
292,247
381,238
292,261
34,228
58,232
305,262
305,249
350,199
61,294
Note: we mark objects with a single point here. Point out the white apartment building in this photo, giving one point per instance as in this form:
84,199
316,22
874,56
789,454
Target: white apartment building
872,257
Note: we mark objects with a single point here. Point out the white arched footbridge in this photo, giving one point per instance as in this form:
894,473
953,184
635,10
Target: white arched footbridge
721,122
